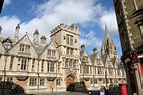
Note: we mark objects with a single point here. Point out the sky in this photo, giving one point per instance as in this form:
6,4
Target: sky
45,15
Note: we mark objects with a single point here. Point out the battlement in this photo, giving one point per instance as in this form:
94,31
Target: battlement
72,28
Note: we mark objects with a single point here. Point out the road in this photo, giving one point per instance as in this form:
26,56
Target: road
110,92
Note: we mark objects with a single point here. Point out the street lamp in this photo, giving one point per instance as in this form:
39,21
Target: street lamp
7,44
106,79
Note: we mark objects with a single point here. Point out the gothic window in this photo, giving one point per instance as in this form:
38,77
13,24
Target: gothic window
23,64
110,71
74,64
21,47
94,70
95,81
33,62
68,51
42,81
50,66
71,41
67,40
27,49
33,82
9,79
71,51
19,64
58,81
92,81
42,66
98,61
86,69
51,52
99,71
70,64
24,48
11,62
66,63
90,70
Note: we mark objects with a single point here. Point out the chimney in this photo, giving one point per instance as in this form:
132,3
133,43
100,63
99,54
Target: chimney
16,36
43,40
0,30
82,47
36,35
95,50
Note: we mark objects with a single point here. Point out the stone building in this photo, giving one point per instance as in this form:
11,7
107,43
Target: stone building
41,67
129,14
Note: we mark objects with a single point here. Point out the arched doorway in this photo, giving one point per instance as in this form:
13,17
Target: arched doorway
69,82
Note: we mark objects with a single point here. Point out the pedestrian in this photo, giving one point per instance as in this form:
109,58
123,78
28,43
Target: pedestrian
12,88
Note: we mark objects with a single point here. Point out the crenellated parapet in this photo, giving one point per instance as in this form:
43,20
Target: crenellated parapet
73,28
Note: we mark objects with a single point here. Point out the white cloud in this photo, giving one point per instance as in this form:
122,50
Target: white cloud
6,2
110,20
90,39
53,12
8,25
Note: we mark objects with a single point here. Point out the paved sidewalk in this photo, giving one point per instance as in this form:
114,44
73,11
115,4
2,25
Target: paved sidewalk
64,93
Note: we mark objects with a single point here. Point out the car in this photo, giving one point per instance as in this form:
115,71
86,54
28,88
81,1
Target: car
10,87
111,86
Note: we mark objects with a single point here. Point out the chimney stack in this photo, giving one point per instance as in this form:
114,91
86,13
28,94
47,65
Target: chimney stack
36,35
82,47
16,36
43,40
95,50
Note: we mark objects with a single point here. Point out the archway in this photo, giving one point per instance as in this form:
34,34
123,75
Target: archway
70,79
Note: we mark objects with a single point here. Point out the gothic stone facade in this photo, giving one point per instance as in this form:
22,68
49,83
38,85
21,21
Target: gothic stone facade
41,67
129,15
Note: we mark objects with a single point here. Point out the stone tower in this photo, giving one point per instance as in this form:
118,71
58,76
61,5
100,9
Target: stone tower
108,46
66,39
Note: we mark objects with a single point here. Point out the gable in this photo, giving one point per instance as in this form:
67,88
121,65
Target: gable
24,48
50,52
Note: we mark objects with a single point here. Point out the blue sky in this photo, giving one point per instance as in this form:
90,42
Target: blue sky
44,15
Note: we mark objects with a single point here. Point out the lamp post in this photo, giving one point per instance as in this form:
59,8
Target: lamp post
7,43
106,78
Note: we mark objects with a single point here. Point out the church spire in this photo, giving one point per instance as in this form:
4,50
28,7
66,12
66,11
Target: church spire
107,33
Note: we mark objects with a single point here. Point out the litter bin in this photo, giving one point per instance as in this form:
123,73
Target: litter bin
123,89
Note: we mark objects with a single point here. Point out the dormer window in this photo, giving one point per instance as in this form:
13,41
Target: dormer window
98,61
51,52
24,48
